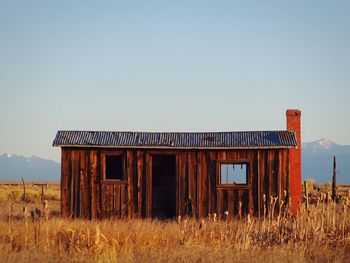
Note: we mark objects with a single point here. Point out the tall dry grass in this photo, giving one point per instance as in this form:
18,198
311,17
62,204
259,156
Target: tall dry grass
33,193
321,234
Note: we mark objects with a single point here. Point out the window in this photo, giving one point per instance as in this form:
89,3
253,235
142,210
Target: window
233,173
114,167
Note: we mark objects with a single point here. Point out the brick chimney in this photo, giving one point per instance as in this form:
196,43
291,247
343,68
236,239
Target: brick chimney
294,124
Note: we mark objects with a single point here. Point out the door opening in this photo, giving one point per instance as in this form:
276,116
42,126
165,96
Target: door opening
163,186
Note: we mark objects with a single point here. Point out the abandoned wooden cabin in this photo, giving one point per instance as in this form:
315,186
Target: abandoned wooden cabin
167,174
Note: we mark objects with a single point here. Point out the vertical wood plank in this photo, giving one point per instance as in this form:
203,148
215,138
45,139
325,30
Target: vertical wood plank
231,206
231,155
109,204
102,199
220,207
99,180
220,201
211,157
182,160
93,181
84,184
235,201
81,189
203,182
65,193
245,201
266,179
192,175
270,154
129,171
240,154
149,185
76,176
105,200
280,175
199,187
240,198
117,201
286,173
72,184
87,184
187,206
120,203
262,181
114,189
276,174
139,183
144,186
224,200
255,183
259,184
135,185
111,200
250,157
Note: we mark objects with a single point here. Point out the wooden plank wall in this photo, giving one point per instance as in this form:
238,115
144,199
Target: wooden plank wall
85,194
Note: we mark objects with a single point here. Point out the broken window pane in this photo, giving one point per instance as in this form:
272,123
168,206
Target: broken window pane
234,173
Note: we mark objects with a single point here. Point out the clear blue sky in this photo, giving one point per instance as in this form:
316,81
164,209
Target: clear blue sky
180,66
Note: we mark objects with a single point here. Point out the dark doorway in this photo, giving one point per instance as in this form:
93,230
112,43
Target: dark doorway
163,186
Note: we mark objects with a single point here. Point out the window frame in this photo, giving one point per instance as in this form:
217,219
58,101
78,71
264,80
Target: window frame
246,185
103,160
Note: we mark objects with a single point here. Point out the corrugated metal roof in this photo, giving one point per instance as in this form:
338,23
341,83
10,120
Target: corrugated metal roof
191,140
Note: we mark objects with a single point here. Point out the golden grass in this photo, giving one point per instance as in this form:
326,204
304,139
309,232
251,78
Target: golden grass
321,234
33,193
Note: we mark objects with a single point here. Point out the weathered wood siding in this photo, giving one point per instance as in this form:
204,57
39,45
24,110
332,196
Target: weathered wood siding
86,194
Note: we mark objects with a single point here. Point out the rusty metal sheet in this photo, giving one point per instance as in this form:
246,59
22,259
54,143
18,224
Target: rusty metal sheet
191,140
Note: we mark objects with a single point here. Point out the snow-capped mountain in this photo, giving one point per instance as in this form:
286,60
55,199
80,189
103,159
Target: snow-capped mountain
317,161
323,144
13,167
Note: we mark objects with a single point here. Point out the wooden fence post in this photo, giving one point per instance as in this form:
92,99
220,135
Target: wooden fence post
306,196
334,182
24,190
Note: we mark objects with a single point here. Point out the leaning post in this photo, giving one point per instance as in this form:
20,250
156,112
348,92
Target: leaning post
24,190
306,196
334,182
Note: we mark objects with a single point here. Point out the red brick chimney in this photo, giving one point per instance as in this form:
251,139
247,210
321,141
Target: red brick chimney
294,124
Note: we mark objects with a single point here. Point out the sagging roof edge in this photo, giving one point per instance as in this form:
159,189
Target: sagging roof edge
175,147
177,132
125,144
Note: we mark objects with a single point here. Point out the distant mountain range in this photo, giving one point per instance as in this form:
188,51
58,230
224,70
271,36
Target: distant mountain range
14,167
317,163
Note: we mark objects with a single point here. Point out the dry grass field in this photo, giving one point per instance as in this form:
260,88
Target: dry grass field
321,234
